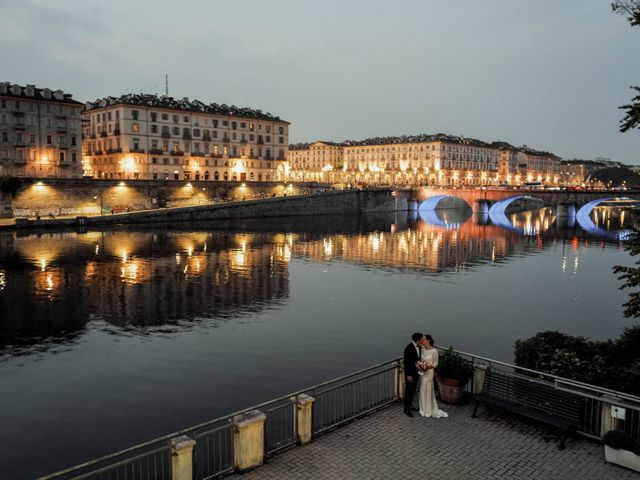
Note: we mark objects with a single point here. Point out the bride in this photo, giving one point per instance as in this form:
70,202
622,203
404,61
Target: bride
429,360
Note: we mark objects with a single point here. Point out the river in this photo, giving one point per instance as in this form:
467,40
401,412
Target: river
111,338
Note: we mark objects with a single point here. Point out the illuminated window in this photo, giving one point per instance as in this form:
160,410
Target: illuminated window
135,127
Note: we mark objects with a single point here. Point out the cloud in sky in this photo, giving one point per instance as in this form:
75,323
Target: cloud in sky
538,72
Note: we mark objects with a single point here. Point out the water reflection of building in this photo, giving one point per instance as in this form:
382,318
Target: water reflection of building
134,279
52,285
421,248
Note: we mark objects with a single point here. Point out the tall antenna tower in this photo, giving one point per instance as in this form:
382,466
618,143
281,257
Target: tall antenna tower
166,84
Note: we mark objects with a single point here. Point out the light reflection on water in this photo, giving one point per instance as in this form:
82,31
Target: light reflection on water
114,317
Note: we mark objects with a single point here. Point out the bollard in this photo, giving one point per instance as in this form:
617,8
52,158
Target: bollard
182,458
401,381
607,421
248,440
479,372
304,417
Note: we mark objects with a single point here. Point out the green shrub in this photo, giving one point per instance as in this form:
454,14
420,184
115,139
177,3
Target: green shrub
621,441
611,364
451,365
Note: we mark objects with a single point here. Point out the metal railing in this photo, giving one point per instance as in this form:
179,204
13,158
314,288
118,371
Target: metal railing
355,395
336,402
596,417
149,461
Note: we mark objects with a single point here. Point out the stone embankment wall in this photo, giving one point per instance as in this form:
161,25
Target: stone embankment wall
56,197
347,202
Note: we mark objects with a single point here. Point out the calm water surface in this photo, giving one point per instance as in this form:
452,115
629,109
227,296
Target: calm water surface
112,338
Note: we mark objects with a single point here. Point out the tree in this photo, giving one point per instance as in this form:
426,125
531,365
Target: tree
631,10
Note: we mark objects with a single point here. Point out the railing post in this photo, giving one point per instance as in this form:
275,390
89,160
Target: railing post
400,381
479,372
182,458
607,421
248,440
304,417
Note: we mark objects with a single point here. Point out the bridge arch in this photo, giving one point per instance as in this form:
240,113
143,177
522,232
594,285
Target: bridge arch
498,216
583,217
428,213
431,203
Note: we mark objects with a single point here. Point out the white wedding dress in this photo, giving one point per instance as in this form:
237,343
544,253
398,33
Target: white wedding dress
428,404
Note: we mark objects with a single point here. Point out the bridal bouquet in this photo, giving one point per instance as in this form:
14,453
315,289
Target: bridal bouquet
421,366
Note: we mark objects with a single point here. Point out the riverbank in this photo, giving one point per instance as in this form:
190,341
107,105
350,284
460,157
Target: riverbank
334,202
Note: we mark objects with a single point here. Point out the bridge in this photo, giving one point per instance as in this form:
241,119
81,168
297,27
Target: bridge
576,205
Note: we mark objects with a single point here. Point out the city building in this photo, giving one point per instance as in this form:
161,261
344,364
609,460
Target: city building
40,132
440,159
159,137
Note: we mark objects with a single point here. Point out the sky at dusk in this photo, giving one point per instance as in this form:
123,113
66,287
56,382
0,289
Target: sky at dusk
543,73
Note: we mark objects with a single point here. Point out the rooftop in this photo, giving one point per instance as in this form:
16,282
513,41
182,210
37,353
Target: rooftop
426,138
31,92
184,104
387,444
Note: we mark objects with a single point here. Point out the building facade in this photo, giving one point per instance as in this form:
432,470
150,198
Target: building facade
40,132
439,160
159,137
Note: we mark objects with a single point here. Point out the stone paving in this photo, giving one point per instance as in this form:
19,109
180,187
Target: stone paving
389,445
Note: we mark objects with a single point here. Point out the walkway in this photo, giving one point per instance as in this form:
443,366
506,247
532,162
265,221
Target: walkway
388,445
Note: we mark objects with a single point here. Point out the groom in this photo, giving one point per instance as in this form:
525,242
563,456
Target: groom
411,357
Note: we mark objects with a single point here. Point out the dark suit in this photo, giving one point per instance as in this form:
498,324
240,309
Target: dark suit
411,357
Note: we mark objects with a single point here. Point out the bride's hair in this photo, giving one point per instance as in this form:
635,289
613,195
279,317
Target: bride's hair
429,338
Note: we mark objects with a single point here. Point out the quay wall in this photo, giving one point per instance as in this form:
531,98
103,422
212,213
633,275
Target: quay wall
56,197
338,202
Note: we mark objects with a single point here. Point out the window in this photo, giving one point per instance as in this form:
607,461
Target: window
32,138
134,114
61,157
117,114
154,116
155,175
175,119
176,131
185,118
281,130
196,132
216,175
154,160
49,140
165,116
5,137
215,123
135,127
74,157
225,123
234,125
73,140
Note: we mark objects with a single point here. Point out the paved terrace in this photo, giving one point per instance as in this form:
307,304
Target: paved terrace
387,444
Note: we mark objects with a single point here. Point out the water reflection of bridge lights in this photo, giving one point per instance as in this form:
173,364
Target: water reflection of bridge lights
3,280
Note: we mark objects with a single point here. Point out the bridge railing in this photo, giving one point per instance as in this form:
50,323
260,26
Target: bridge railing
335,402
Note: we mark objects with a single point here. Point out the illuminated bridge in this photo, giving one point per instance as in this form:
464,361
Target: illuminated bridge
574,205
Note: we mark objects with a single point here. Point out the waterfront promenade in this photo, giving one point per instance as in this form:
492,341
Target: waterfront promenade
387,444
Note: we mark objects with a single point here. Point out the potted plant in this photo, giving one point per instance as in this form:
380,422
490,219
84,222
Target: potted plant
452,374
621,449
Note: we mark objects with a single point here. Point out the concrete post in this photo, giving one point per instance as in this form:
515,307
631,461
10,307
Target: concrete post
248,440
304,417
607,422
182,458
401,381
479,372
